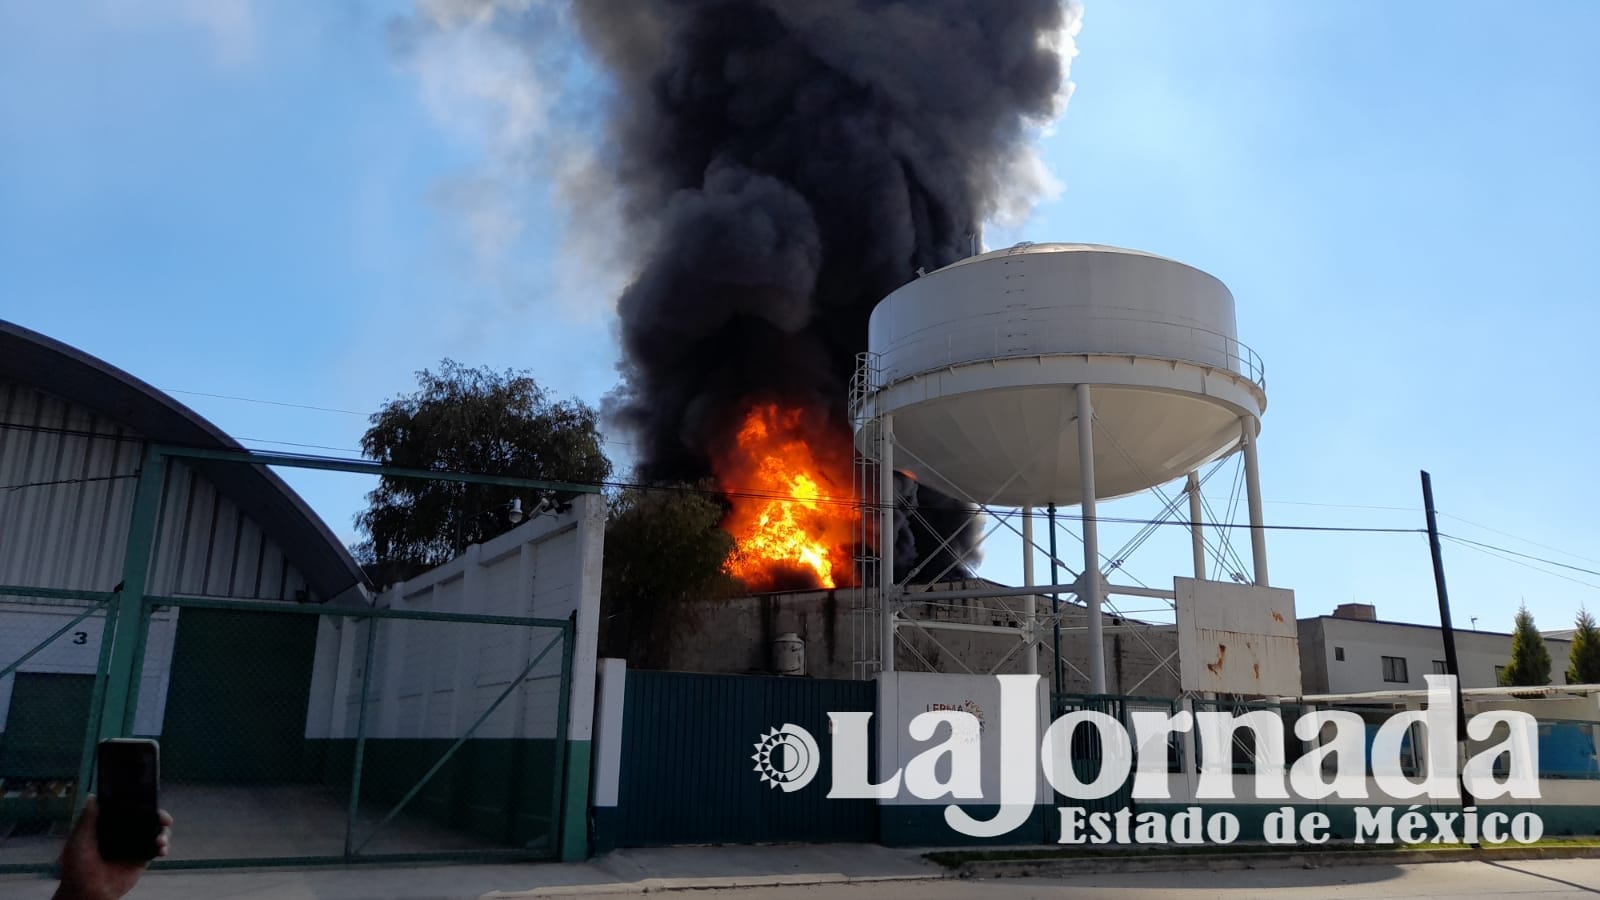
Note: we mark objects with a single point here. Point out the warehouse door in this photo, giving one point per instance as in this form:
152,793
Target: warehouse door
240,681
45,726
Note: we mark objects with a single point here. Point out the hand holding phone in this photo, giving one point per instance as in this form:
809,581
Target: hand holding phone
128,786
86,875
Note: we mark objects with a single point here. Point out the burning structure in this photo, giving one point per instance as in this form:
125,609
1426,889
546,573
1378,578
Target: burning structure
786,166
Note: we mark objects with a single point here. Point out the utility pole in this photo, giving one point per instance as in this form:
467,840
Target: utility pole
1451,667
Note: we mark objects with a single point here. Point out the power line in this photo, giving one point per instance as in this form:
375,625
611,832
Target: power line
80,480
292,444
310,406
1488,551
347,412
1519,538
1410,509
1548,562
742,493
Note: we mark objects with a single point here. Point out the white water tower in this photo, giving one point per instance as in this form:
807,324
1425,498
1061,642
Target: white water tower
1057,374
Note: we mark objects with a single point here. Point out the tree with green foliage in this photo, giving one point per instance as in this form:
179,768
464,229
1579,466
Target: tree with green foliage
475,420
1583,662
665,550
1530,659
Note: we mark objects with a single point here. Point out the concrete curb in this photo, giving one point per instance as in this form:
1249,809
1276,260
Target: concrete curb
1297,859
662,885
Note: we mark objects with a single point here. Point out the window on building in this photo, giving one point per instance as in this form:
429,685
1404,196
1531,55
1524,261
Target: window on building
1338,654
1394,669
1439,668
1499,674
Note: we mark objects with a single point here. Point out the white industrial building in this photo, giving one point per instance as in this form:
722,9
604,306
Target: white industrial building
256,665
73,433
1352,652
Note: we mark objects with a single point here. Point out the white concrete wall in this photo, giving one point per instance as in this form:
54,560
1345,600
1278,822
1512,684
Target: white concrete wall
902,696
611,686
435,679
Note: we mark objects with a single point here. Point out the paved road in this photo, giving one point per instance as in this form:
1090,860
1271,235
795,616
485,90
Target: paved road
1532,880
1569,879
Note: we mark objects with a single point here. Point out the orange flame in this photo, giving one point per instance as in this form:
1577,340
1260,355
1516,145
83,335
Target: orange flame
792,519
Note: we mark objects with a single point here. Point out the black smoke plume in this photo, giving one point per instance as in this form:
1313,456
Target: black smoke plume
784,165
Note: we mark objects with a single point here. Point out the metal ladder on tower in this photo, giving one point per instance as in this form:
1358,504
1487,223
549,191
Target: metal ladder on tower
866,611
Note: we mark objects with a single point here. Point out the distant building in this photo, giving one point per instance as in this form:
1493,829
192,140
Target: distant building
1352,651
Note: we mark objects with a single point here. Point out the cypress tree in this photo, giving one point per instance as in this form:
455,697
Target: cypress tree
1583,663
1530,658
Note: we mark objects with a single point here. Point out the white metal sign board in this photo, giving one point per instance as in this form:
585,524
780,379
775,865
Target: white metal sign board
1237,638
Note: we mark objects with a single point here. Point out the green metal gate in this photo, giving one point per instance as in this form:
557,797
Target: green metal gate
305,734
292,733
296,734
686,770
49,689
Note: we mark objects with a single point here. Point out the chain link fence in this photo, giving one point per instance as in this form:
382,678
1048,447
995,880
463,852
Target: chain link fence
52,651
295,733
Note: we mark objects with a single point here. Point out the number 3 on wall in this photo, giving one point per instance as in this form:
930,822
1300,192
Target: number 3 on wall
80,637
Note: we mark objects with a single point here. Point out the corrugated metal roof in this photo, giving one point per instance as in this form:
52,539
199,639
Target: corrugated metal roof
228,530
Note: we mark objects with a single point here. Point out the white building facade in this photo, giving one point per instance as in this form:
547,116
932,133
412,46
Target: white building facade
1352,651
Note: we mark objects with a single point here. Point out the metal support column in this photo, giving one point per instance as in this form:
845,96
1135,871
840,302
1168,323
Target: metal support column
1091,543
886,580
1249,427
1197,537
127,643
1055,604
361,739
1030,605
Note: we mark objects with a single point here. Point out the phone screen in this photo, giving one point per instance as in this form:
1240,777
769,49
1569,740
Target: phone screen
129,780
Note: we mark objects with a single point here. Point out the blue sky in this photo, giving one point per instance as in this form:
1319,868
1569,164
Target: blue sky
271,201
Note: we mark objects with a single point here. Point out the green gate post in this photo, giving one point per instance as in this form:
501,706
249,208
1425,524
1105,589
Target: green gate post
127,609
569,821
91,728
361,742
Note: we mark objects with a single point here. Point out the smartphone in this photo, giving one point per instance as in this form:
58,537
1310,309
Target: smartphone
129,780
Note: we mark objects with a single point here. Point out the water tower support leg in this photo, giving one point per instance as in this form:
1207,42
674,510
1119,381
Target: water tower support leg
886,582
1091,543
1030,604
1196,537
1252,486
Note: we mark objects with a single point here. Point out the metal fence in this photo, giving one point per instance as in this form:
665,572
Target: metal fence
686,775
50,653
293,733
296,728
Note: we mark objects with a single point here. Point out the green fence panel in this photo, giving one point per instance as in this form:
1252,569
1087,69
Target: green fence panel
686,770
49,659
286,739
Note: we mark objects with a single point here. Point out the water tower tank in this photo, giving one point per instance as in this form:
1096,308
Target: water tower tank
978,364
